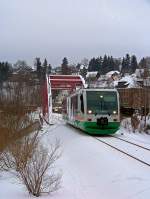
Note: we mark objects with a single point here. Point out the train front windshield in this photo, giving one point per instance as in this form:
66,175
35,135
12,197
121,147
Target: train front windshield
102,102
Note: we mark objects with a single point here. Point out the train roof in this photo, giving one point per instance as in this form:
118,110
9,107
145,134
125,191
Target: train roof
101,89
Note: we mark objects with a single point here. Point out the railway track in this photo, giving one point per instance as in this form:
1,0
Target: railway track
131,149
133,143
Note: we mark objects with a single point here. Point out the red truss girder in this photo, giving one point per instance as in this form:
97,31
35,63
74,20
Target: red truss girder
63,82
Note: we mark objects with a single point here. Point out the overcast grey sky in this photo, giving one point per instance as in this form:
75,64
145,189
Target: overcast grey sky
73,28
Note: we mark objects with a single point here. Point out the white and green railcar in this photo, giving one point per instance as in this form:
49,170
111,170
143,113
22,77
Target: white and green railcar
95,111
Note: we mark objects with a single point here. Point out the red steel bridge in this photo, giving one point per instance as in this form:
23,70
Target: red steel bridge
59,82
65,82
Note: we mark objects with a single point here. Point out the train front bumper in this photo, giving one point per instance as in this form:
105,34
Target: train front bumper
94,128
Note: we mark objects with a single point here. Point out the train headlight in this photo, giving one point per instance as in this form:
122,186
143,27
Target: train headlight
114,112
89,111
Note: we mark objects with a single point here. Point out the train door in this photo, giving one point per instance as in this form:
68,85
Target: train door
68,108
82,103
74,106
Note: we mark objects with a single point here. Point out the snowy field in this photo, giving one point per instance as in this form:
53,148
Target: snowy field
91,170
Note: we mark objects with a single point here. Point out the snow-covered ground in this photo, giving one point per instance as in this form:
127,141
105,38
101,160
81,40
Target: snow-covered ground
139,138
91,170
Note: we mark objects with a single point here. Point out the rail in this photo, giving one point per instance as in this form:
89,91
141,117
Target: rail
123,151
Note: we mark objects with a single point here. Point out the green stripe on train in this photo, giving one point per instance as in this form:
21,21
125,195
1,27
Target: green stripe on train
93,128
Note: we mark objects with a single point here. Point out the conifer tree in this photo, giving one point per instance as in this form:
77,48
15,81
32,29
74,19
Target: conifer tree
105,64
100,62
49,69
38,67
112,64
64,67
142,63
4,71
134,63
92,64
45,62
78,66
126,65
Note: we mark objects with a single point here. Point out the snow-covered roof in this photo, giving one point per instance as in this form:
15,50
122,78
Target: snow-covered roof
128,79
110,73
83,66
83,81
131,81
91,74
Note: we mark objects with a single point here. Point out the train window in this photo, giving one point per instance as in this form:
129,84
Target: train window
82,104
75,100
74,104
68,106
102,102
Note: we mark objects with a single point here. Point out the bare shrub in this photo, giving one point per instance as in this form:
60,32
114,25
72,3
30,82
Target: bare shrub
13,127
17,154
126,123
38,175
33,165
147,129
135,122
14,123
